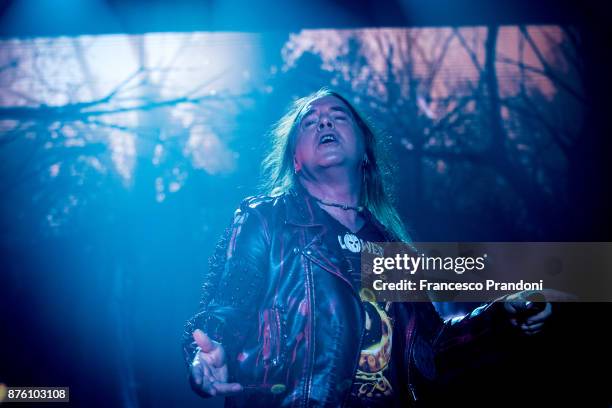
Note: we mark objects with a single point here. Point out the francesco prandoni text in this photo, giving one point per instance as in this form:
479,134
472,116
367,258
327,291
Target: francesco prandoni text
459,265
425,285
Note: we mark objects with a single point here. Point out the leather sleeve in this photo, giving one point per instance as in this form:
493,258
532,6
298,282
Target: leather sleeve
476,340
233,284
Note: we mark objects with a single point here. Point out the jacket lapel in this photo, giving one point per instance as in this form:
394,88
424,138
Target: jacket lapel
303,211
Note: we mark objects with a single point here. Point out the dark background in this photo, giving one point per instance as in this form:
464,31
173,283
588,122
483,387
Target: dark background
100,271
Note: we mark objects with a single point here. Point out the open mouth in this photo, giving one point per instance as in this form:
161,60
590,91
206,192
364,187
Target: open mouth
328,138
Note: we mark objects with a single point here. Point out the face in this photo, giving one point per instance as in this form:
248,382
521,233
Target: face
328,136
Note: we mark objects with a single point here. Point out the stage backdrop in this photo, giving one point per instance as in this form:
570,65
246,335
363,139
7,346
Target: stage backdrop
124,156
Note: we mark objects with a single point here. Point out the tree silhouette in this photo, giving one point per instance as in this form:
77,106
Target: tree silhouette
481,118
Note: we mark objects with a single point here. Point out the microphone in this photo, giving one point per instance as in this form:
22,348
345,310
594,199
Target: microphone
535,301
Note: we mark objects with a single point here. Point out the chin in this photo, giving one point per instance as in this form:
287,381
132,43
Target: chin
332,160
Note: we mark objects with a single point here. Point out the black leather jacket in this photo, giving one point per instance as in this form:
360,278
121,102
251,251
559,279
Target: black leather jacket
277,298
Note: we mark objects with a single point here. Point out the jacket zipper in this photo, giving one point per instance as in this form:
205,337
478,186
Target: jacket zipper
410,332
310,334
277,337
307,254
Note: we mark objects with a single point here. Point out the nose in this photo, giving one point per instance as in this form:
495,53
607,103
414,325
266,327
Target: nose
325,123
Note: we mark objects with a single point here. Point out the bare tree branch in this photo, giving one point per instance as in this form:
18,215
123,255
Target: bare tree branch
548,71
470,52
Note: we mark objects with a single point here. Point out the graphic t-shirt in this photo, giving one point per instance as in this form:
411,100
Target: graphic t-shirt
374,381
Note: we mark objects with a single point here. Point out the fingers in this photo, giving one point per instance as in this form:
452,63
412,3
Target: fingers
531,327
512,307
200,369
197,373
216,358
202,377
516,306
209,359
540,316
205,380
208,387
212,368
535,323
527,308
523,306
213,352
524,303
203,341
217,388
208,370
226,388
519,313
530,330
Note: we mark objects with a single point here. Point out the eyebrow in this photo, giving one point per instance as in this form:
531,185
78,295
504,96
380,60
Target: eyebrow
336,108
339,108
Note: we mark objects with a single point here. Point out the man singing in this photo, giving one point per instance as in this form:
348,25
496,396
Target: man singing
283,320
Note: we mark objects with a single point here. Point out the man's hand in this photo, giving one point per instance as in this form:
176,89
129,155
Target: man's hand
209,368
528,312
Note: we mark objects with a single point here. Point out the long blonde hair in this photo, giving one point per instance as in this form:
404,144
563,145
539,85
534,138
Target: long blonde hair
279,176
